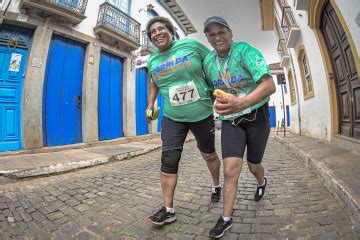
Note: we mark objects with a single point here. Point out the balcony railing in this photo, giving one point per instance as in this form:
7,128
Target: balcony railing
72,11
147,46
290,28
283,53
78,6
115,26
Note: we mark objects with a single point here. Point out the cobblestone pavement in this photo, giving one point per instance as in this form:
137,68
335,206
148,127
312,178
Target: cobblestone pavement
113,201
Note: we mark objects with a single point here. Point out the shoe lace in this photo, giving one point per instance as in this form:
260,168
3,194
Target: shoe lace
160,214
220,223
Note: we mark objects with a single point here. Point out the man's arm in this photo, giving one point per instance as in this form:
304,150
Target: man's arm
225,106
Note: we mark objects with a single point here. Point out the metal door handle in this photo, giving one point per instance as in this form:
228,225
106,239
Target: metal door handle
78,101
348,75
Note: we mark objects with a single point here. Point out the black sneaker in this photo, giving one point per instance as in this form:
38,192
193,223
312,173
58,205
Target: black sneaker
260,191
216,194
220,227
162,216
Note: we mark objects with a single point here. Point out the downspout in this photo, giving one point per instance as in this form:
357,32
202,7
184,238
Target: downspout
297,92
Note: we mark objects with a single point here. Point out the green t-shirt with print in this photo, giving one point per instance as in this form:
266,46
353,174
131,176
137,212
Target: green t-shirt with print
179,75
245,67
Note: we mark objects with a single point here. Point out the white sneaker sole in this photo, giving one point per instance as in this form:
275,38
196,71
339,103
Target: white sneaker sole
168,220
222,234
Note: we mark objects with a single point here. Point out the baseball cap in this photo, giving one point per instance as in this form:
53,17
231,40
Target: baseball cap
215,19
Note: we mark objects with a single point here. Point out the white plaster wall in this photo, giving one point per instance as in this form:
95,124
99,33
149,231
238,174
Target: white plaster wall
91,13
294,109
315,111
14,6
350,10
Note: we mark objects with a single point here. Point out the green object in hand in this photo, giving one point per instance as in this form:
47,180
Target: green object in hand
153,115
149,113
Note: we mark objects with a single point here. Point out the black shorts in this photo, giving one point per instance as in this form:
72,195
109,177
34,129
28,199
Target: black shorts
251,130
173,134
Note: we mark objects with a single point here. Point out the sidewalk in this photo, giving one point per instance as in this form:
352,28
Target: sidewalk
54,160
337,168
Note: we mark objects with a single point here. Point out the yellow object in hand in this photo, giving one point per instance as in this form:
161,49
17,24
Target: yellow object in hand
220,93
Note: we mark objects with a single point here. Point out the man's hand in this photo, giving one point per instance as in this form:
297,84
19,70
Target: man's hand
230,104
151,108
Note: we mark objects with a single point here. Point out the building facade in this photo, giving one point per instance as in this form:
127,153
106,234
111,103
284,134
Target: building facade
319,42
68,70
280,118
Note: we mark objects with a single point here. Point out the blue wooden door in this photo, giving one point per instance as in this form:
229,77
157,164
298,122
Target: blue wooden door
287,115
160,102
62,92
272,116
12,66
141,89
110,97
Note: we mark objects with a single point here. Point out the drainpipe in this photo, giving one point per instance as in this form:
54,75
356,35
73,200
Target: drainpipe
297,91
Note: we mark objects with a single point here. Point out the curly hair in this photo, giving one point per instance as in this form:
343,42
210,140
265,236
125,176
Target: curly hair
163,20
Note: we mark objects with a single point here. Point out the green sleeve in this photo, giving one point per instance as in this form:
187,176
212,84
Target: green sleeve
255,63
201,49
207,73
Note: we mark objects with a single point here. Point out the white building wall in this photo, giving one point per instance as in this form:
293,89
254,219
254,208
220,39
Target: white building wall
315,112
91,13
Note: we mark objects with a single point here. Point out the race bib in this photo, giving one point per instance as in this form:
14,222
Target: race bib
238,114
183,94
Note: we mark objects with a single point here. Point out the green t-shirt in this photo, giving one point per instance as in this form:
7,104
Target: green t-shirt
179,75
246,66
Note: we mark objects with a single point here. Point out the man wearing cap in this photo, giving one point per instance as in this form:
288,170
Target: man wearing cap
240,70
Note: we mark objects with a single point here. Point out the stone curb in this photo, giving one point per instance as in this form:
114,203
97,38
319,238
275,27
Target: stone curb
70,166
334,185
39,171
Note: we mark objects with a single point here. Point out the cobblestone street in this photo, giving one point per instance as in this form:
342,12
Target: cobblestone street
113,201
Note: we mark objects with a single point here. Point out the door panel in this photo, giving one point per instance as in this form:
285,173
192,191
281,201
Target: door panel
12,67
62,89
110,97
345,73
160,103
287,116
272,116
141,100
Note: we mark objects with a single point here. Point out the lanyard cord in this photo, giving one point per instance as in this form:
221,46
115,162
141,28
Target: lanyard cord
227,59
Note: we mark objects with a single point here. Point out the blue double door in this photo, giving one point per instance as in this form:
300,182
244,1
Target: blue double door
63,92
110,110
12,67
